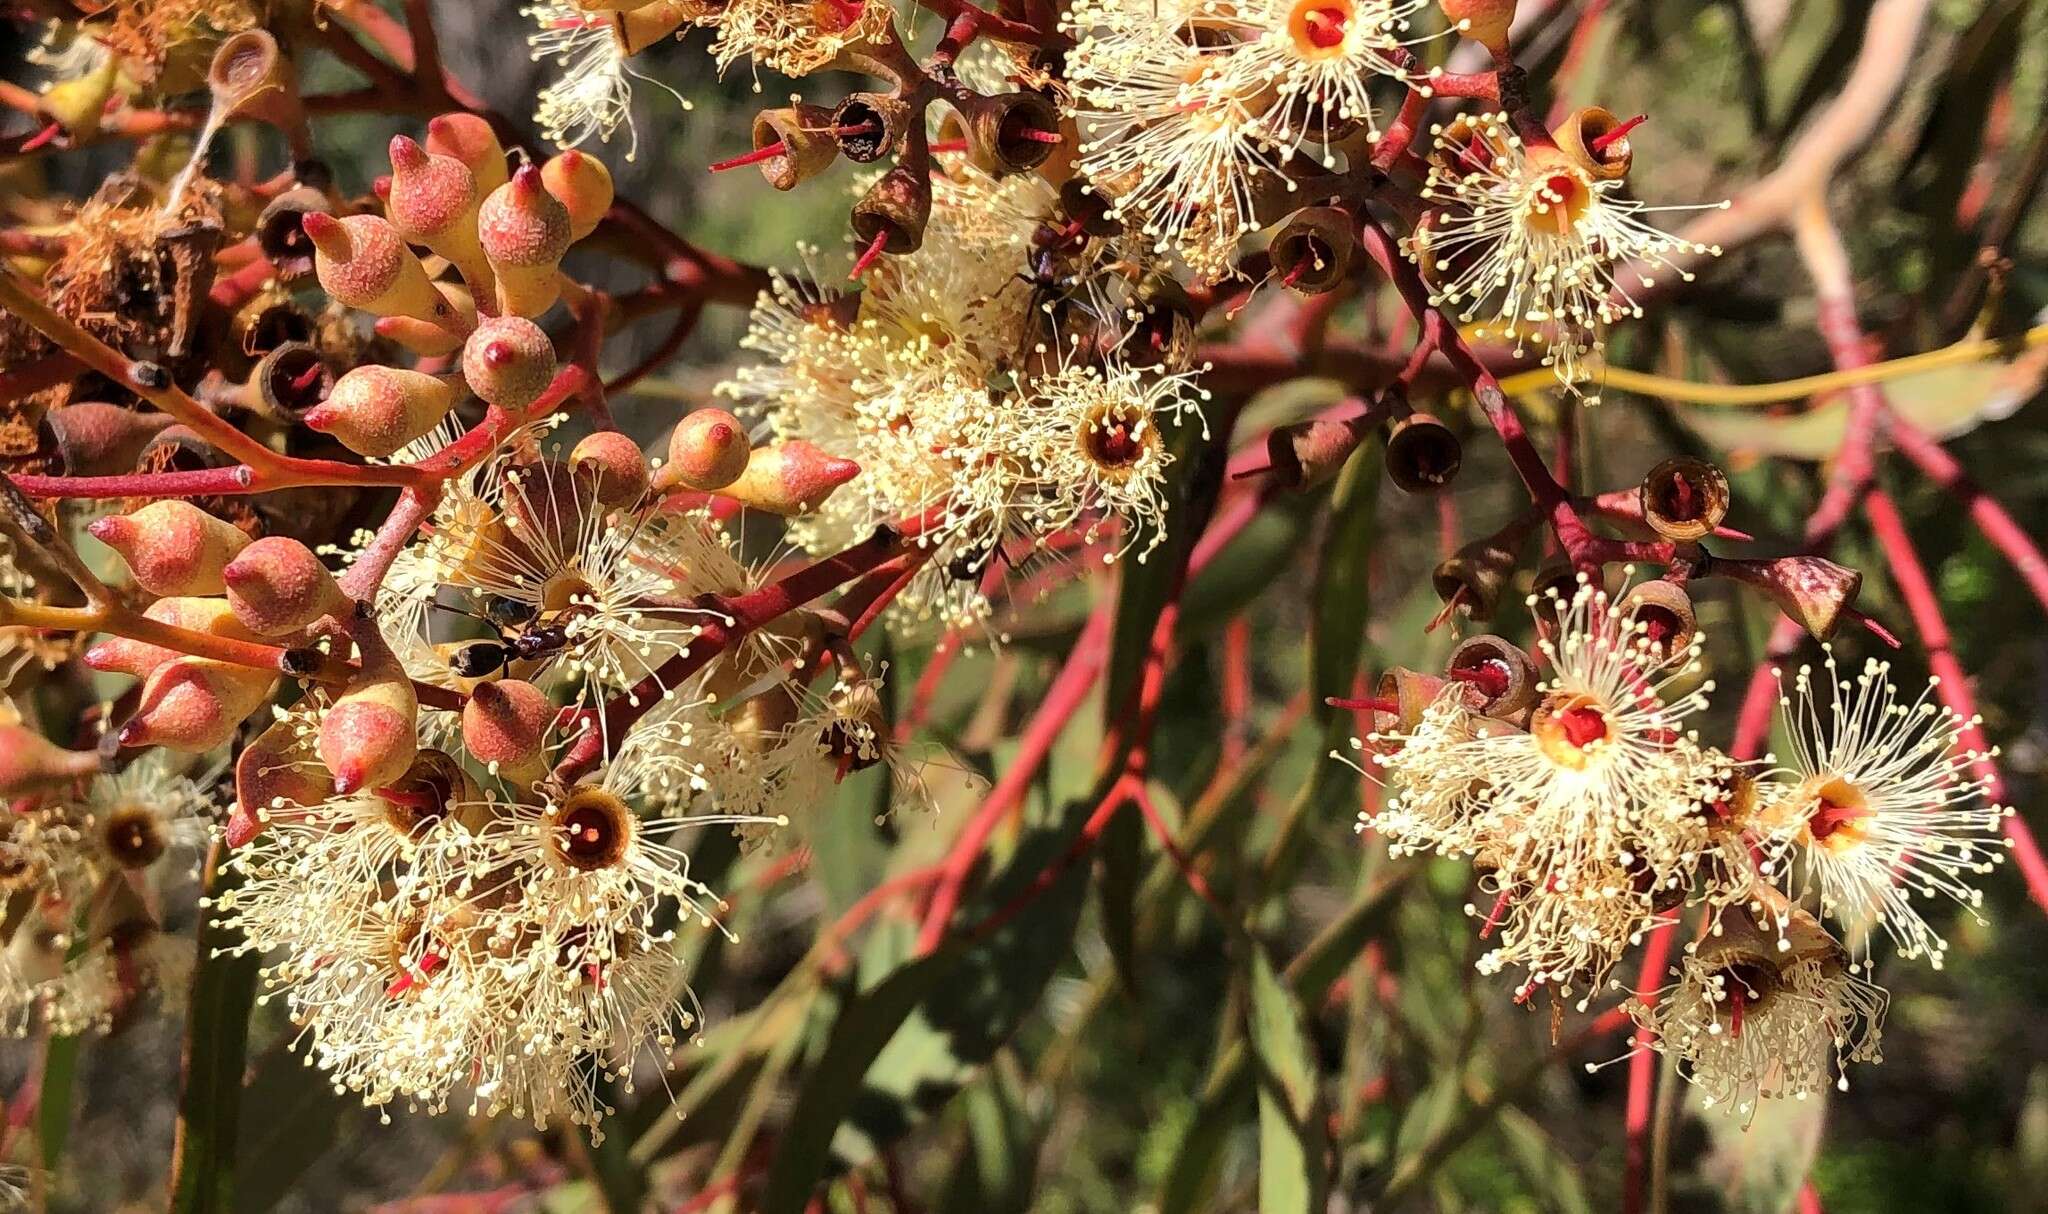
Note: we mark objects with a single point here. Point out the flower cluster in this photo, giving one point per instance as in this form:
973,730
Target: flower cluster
1592,812
971,398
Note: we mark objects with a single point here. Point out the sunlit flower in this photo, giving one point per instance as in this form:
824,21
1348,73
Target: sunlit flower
1884,800
1526,241
594,94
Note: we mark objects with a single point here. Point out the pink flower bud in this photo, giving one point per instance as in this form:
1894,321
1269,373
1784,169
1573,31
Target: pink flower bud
172,547
433,202
122,655
581,183
508,361
615,464
30,763
505,725
363,263
376,410
471,140
370,736
706,451
524,231
278,587
790,478
194,704
433,340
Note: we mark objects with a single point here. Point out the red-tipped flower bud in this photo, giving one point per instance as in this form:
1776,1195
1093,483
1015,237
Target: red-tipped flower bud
274,772
122,655
376,410
370,735
524,231
508,361
434,202
707,450
278,587
30,762
790,478
471,140
581,183
172,547
433,341
616,465
505,724
363,262
194,704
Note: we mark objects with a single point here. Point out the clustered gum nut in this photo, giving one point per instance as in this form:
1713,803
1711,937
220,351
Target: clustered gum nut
1684,499
195,704
1661,612
470,139
362,262
1311,250
707,451
1305,454
375,410
30,763
1812,590
895,209
433,202
124,655
277,587
1483,21
1582,129
1422,454
505,724
369,736
790,478
1502,676
508,362
1480,569
615,464
583,186
806,135
172,547
524,231
94,438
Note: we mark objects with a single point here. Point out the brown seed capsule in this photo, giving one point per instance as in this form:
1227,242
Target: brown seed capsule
1474,577
869,126
434,202
281,231
268,320
1163,332
1598,141
470,139
1661,613
1423,455
1814,591
1084,204
707,451
277,587
94,438
290,380
508,361
194,704
1500,672
250,77
805,135
363,263
1411,692
1684,499
894,210
1305,454
790,478
1554,582
1311,250
581,183
524,231
1010,132
376,410
616,464
172,547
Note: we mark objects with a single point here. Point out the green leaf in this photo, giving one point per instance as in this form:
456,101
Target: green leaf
1293,1167
53,1106
1760,1165
301,1118
996,1172
216,1043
